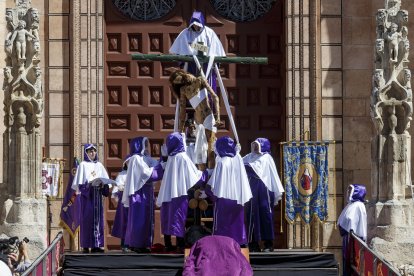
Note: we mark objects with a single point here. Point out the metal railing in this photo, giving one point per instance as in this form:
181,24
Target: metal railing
47,264
364,261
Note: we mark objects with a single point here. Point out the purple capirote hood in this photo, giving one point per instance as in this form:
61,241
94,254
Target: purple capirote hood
264,145
197,17
137,146
175,143
358,193
225,146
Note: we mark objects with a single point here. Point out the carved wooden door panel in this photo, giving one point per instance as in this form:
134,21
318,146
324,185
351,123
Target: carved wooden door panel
138,101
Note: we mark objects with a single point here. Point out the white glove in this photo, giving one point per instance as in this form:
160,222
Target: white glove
164,151
202,195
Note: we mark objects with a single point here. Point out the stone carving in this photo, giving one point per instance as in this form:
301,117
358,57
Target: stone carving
23,77
391,85
21,203
389,223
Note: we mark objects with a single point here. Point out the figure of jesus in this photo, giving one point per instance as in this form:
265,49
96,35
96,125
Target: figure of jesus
19,36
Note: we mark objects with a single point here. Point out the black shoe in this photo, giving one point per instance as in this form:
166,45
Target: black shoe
97,250
85,250
268,246
254,247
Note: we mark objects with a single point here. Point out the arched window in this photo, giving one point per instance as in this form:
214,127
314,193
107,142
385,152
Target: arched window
144,10
242,10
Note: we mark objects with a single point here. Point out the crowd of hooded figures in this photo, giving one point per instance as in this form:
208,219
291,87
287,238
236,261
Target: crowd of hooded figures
243,192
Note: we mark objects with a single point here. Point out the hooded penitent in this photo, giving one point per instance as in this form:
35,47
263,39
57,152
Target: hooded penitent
206,36
140,167
180,172
264,167
229,179
354,215
91,221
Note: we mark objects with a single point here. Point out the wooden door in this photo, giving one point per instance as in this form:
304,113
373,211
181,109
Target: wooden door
138,101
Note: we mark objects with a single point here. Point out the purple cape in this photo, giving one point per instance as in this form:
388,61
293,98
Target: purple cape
216,255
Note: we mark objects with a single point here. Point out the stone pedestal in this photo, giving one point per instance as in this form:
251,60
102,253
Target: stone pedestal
25,218
390,230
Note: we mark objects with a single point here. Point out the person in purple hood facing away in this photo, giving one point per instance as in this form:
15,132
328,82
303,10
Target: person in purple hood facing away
267,190
138,195
353,218
121,216
230,186
180,175
87,183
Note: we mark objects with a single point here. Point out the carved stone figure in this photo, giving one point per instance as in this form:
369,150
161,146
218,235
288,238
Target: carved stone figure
381,19
393,6
379,50
407,84
19,37
21,119
393,38
402,17
7,78
10,22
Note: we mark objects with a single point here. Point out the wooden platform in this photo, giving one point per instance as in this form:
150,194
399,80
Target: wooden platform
280,262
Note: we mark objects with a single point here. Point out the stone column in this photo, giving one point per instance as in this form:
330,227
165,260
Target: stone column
390,216
23,209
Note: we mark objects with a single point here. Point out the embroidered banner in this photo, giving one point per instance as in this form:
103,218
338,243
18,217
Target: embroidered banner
70,212
51,177
306,181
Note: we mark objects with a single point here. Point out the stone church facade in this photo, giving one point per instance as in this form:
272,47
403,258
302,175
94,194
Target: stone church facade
318,81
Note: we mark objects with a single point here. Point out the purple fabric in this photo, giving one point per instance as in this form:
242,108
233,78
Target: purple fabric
264,145
226,146
140,226
259,210
216,255
92,221
136,146
121,219
229,220
175,144
70,211
85,155
198,17
359,193
173,216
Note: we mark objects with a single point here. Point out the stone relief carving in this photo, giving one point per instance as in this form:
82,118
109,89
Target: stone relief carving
22,76
391,95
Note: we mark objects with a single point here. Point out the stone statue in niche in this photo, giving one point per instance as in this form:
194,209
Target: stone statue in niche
7,78
407,84
21,119
381,19
19,39
406,43
393,38
10,22
392,119
379,51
